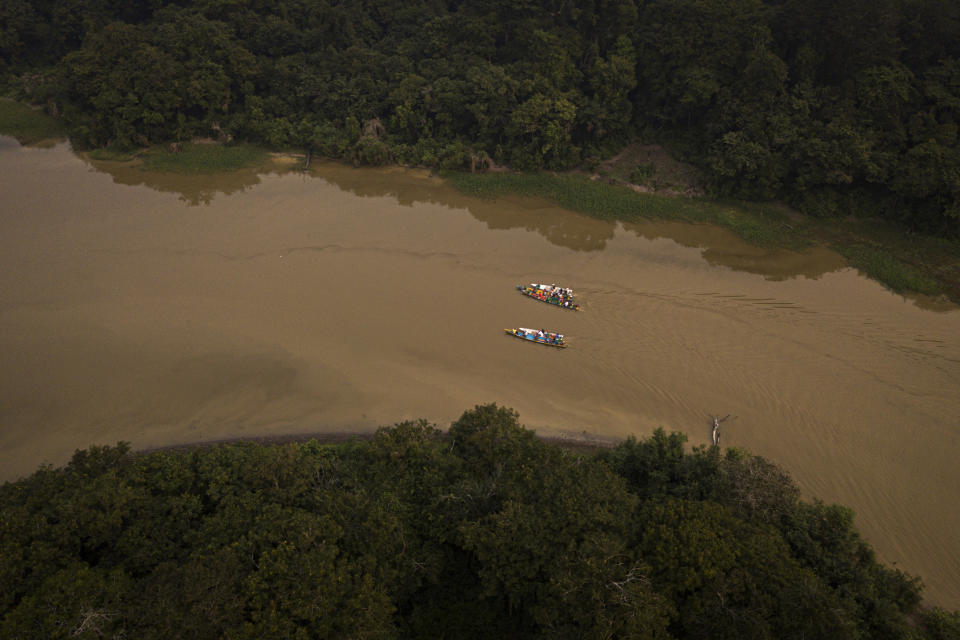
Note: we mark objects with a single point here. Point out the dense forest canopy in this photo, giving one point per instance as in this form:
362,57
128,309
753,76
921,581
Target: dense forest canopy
837,106
478,532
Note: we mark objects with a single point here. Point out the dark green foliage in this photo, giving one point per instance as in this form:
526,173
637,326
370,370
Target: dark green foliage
823,567
733,579
823,538
938,624
483,531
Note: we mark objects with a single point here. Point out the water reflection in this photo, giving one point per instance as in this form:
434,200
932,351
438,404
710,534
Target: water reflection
558,226
193,189
722,247
8,143
571,230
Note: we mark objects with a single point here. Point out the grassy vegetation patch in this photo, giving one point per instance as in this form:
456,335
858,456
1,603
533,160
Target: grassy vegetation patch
204,158
765,225
113,155
747,227
578,193
26,124
880,265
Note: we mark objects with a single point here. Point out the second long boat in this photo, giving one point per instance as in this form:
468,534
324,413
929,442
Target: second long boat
551,294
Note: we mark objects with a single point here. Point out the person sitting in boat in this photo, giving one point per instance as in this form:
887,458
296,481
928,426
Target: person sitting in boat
559,338
540,334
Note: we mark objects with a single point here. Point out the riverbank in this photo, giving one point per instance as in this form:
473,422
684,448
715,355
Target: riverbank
28,125
905,262
200,157
902,260
641,183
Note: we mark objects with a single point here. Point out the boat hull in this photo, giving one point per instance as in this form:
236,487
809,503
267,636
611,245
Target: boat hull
533,337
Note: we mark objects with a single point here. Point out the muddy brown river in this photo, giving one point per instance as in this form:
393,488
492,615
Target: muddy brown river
165,309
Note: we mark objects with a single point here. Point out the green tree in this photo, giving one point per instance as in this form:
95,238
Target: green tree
76,602
542,127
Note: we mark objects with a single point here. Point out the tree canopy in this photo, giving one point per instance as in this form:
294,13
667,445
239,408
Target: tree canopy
479,531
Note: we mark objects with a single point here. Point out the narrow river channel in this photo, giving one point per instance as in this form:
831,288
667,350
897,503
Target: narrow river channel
163,309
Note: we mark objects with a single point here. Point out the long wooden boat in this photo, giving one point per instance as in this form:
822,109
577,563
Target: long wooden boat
541,337
551,294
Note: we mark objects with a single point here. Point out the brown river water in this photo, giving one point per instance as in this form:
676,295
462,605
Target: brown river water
164,309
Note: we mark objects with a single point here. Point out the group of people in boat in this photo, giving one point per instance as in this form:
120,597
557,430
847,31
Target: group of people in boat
552,293
543,336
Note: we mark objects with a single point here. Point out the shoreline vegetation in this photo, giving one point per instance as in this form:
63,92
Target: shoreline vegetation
481,530
29,125
625,188
206,157
904,262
